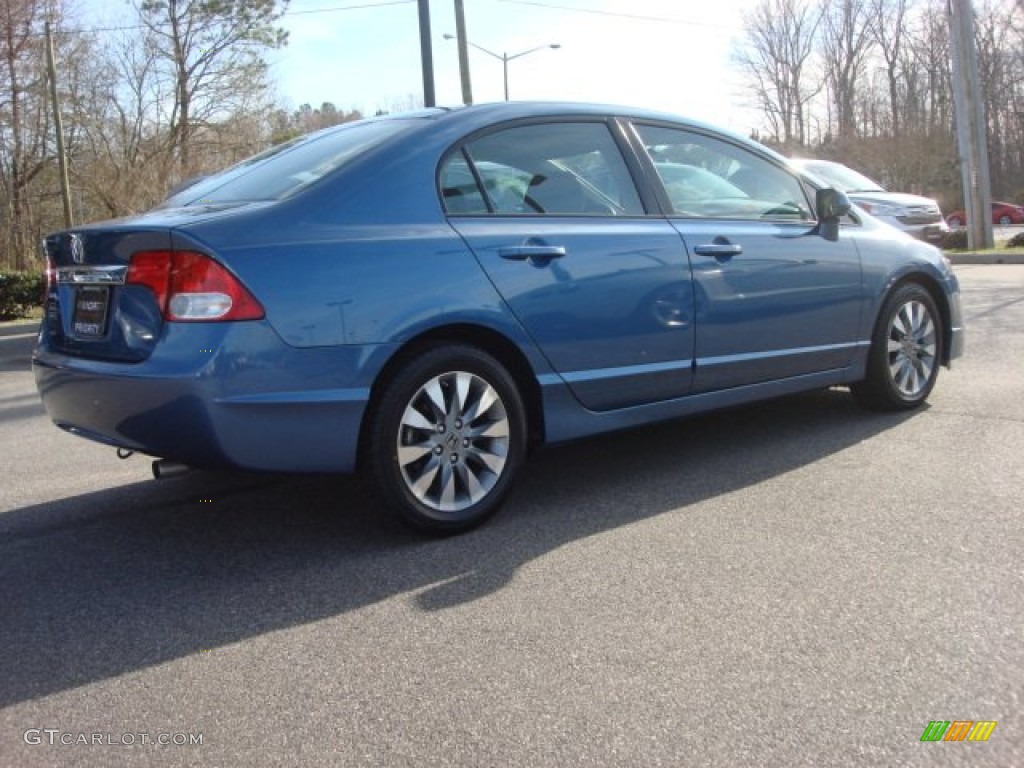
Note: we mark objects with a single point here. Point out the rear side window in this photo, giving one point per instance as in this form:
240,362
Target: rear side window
557,169
704,177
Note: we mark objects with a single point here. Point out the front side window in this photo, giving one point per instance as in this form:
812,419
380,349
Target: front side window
705,177
560,169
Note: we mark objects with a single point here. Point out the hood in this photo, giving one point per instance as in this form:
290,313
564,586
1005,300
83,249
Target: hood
892,198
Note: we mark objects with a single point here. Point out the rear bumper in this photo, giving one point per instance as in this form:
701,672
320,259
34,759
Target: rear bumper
200,400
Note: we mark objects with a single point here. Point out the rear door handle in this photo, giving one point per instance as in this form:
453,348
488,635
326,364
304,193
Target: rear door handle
718,250
532,252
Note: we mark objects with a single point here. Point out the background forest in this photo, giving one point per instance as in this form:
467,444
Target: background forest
181,88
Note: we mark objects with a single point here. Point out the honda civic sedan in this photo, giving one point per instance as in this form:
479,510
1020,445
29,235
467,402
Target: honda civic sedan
424,298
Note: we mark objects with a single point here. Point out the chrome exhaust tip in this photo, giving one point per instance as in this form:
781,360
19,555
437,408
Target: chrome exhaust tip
164,468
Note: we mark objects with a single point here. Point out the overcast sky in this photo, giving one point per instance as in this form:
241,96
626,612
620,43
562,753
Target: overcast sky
670,55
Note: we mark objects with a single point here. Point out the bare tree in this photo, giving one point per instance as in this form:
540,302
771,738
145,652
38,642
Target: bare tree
123,152
212,52
779,42
22,120
846,43
887,24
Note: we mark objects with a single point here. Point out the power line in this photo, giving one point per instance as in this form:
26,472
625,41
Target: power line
617,14
336,9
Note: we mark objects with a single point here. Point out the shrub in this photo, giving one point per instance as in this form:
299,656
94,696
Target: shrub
954,240
1017,241
20,292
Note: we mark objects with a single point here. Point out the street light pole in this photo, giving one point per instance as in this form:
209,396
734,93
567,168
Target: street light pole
426,54
504,70
460,32
504,58
970,125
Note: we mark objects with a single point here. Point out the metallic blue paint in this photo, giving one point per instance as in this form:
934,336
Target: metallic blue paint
630,326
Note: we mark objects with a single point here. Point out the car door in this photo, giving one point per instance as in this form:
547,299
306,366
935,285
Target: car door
552,213
774,299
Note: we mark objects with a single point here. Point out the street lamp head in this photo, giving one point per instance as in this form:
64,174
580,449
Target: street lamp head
448,36
555,45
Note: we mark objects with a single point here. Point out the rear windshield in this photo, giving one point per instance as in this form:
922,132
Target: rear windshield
286,168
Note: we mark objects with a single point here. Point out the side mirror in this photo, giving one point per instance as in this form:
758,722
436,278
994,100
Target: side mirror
831,205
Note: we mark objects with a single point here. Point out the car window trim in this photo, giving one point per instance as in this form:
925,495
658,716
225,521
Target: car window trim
611,122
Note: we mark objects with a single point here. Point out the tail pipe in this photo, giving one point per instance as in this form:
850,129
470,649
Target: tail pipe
164,468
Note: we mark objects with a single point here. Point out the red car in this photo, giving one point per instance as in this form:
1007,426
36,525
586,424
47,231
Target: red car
1003,214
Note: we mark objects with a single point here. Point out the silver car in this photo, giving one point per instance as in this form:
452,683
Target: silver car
918,216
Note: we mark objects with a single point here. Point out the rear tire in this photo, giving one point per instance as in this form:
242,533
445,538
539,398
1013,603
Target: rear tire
447,437
906,350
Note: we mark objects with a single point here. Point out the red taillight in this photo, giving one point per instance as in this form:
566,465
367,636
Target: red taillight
153,270
51,280
192,287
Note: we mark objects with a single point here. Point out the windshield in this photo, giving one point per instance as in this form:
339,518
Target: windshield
284,169
840,177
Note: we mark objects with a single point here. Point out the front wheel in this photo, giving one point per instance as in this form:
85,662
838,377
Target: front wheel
1005,221
906,348
446,438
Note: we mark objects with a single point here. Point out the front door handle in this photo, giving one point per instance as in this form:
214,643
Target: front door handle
532,252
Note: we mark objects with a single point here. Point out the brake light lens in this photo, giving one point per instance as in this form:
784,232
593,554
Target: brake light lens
192,287
51,280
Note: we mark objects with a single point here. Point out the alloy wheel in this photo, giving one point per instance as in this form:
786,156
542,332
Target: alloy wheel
912,348
453,441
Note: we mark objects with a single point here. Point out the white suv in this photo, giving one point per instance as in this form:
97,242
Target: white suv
913,214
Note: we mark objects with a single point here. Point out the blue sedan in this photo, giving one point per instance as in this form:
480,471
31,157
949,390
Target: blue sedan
425,297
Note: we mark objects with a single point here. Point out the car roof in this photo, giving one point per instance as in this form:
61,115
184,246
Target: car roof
478,116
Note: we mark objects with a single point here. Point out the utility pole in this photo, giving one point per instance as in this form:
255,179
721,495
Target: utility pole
460,38
58,124
426,54
971,133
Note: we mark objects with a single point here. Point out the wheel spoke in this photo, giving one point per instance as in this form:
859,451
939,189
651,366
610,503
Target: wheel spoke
488,397
408,454
925,366
899,373
470,481
420,485
899,323
493,429
494,462
446,500
913,383
413,418
462,382
435,395
914,312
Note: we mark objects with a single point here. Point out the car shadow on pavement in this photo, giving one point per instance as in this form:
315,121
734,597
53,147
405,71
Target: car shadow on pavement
106,583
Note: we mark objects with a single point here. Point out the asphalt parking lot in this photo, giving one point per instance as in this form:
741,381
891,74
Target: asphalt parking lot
801,583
